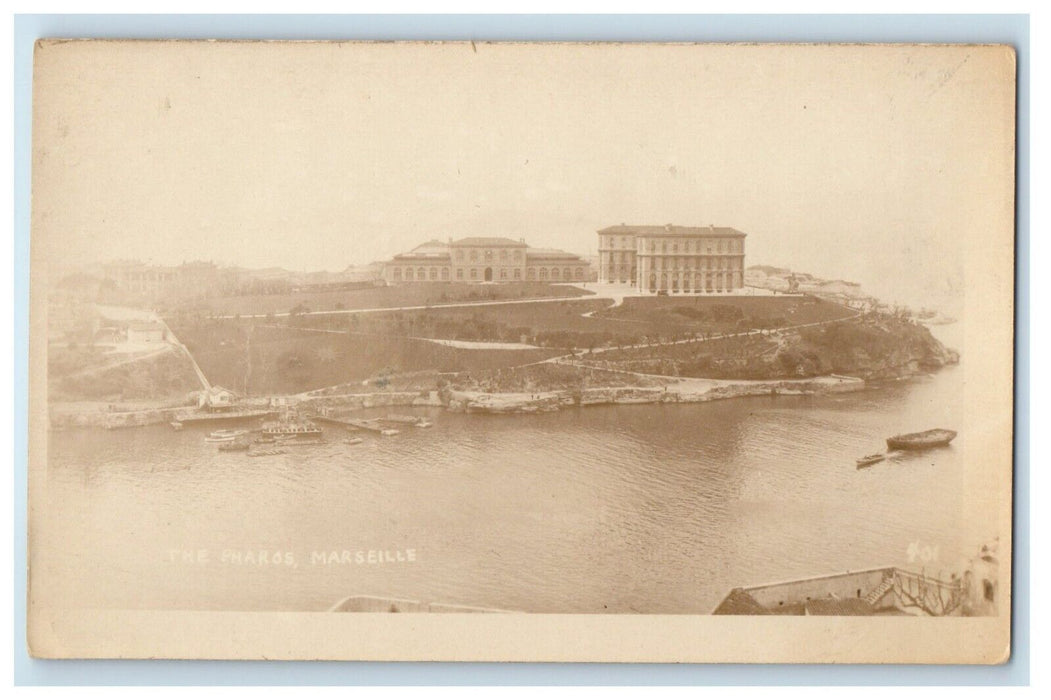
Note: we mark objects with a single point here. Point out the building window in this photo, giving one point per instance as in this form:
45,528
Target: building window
503,273
459,273
408,274
421,274
543,273
474,273
434,273
473,255
503,254
531,273
397,274
488,256
579,273
554,273
565,274
518,274
445,274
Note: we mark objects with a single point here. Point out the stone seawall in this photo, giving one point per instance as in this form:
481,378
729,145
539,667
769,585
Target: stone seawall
352,402
113,419
685,391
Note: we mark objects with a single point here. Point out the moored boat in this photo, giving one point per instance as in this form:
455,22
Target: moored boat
353,441
234,446
292,425
921,441
405,420
225,435
871,459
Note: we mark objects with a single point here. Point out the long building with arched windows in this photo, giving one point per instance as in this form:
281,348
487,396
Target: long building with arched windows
482,259
672,259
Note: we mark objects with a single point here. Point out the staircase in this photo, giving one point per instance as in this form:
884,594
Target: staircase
879,591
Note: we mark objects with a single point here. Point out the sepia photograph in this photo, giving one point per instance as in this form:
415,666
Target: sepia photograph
521,351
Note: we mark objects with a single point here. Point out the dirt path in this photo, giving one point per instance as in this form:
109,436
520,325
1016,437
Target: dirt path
120,363
704,339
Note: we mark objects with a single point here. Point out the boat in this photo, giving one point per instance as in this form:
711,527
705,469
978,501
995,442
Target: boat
176,425
921,441
301,441
871,459
353,441
415,421
267,453
234,446
291,424
406,420
389,431
225,435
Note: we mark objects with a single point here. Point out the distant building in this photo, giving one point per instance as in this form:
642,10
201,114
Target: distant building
146,332
191,279
217,397
485,260
672,259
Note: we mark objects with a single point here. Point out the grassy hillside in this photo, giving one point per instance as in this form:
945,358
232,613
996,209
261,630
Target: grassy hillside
877,346
86,375
263,359
724,314
419,294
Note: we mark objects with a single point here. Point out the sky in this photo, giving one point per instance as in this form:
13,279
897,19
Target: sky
882,165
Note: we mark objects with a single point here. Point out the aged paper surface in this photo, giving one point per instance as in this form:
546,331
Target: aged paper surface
574,352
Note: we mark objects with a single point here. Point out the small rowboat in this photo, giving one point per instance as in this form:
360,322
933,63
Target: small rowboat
921,441
225,435
267,453
871,459
234,446
353,441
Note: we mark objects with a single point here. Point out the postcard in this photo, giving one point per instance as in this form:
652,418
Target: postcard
480,351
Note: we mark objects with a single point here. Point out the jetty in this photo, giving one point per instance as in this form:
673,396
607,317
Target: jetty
192,417
882,591
374,425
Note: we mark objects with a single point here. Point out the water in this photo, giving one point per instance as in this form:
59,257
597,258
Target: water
650,509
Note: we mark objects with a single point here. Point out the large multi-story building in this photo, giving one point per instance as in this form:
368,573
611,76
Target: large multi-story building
484,260
190,279
672,259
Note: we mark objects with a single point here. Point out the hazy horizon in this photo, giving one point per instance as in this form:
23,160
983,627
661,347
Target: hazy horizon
848,163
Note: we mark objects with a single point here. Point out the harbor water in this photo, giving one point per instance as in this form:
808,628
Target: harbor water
621,509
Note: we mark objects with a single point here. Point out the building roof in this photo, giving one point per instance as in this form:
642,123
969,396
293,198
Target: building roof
492,242
552,253
740,602
431,250
431,246
671,230
834,606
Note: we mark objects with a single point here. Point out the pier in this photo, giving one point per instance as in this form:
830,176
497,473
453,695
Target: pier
371,424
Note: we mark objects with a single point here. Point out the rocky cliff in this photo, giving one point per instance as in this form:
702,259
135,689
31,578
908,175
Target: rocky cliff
878,347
